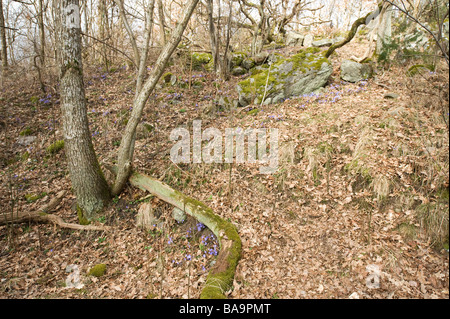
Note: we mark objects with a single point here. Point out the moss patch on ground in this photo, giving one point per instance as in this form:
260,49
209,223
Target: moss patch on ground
98,270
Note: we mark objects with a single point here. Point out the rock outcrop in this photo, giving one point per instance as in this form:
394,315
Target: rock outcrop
294,38
302,73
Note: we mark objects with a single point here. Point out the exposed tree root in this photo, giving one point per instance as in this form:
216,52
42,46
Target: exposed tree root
351,34
42,215
220,278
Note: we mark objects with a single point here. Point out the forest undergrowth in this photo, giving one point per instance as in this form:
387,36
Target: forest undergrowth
361,190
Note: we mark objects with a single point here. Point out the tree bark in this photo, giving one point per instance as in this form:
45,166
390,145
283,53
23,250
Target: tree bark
4,52
144,54
126,149
88,182
41,33
162,23
212,34
103,26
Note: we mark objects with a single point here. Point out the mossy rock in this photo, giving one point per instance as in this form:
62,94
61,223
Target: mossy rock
210,65
274,45
302,73
98,270
167,77
237,71
200,59
259,69
248,63
55,147
237,58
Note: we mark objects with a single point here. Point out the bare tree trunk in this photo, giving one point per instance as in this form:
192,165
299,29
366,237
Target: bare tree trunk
212,35
126,149
41,33
123,17
144,54
225,67
4,53
162,23
104,31
86,23
88,182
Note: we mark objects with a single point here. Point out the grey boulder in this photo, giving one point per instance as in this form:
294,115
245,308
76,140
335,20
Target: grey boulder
354,72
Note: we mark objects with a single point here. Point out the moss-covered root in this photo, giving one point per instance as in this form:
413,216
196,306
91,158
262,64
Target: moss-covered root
220,278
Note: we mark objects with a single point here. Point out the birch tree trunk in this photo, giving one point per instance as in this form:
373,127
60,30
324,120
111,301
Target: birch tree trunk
126,150
88,182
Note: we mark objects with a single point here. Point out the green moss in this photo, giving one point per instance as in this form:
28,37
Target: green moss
151,296
98,270
167,76
256,84
81,219
220,279
25,156
307,59
237,58
199,59
26,132
275,77
32,197
34,99
259,69
55,147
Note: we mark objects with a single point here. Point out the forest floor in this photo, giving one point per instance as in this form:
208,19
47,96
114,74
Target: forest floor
357,209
